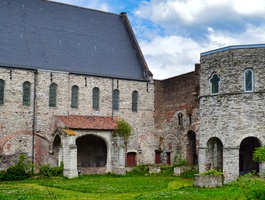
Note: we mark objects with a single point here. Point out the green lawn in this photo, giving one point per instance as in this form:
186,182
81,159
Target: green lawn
113,187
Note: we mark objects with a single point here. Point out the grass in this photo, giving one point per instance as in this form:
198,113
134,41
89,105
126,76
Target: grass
110,187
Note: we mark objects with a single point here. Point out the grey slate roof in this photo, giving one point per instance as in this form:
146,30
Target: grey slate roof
37,34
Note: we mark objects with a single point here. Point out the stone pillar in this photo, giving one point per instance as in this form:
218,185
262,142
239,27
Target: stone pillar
202,159
230,163
69,151
262,169
118,160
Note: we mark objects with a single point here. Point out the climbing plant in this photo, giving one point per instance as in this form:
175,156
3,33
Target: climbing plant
123,129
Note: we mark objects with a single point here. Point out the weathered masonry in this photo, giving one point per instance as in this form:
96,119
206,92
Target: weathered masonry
232,112
66,74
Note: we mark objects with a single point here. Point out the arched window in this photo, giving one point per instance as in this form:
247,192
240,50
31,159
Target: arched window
2,91
26,93
134,101
74,97
52,95
96,98
248,80
115,100
180,118
215,83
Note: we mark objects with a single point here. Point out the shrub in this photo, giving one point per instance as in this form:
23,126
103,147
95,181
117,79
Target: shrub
189,173
259,154
212,172
47,170
19,171
178,160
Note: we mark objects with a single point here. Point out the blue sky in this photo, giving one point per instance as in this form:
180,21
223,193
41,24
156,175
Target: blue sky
173,33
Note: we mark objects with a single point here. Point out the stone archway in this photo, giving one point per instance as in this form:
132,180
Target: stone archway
215,154
247,147
191,148
55,157
91,153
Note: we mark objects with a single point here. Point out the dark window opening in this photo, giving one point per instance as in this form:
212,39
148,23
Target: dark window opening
180,118
215,81
115,100
53,95
74,97
26,93
96,98
134,101
2,91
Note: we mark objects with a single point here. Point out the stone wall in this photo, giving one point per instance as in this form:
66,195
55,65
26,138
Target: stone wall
208,181
174,97
16,121
232,115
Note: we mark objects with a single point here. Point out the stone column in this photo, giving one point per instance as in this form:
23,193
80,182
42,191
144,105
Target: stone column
118,164
230,163
202,160
69,150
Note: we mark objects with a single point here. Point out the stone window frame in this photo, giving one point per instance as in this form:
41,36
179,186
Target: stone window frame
135,101
115,99
95,98
53,95
2,92
215,89
74,96
251,81
26,90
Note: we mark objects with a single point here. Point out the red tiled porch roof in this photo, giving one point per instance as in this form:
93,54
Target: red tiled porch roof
87,122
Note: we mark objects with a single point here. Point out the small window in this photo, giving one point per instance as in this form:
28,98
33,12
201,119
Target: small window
26,93
52,95
2,91
95,98
115,100
215,83
248,80
74,97
134,101
190,118
180,118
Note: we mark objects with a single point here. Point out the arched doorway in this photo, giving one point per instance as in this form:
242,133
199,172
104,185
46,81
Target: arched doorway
191,148
247,147
91,151
215,153
55,151
131,159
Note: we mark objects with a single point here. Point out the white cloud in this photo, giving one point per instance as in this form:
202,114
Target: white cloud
171,55
194,11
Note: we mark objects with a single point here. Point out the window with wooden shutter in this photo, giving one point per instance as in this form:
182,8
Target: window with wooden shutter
26,93
115,100
134,101
74,97
53,95
95,98
2,91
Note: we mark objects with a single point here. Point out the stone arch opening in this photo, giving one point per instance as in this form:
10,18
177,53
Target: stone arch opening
247,147
91,151
56,146
214,154
131,159
191,148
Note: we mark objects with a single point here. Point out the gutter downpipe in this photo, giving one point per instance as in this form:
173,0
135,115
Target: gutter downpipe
34,120
112,86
